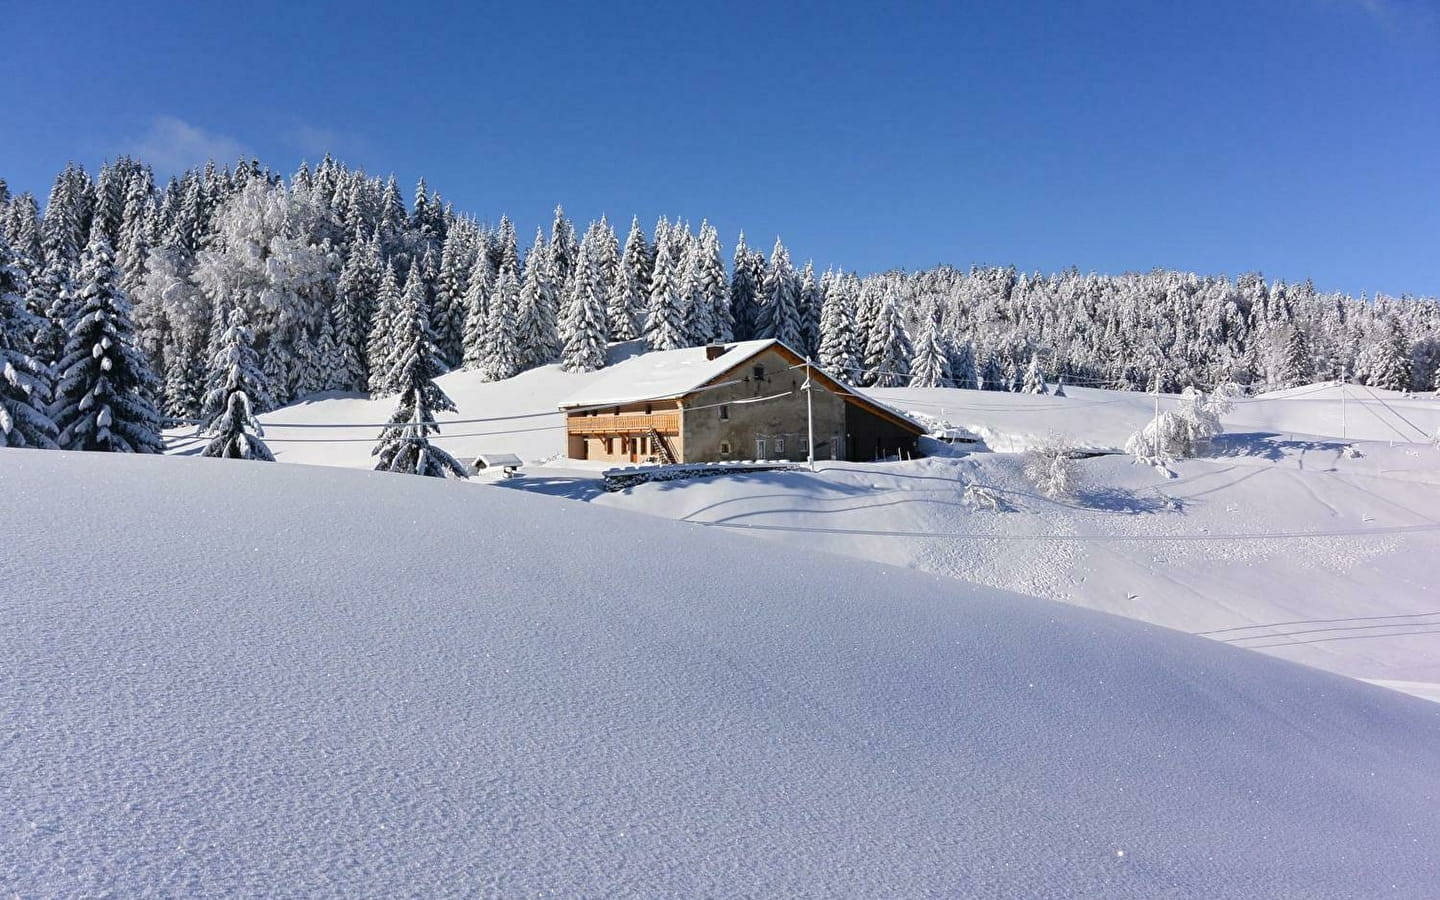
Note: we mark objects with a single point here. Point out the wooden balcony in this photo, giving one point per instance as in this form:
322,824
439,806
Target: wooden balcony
625,423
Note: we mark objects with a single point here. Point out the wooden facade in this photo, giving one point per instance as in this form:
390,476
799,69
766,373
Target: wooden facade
751,408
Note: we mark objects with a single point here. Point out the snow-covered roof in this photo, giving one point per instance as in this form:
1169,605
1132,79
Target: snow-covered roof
674,373
661,374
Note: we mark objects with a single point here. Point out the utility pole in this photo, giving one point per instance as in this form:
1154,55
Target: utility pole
1344,413
809,417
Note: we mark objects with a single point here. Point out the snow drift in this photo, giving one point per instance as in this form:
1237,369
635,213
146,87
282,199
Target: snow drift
237,678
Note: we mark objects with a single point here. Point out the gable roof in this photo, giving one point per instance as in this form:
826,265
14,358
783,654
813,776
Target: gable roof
661,375
671,374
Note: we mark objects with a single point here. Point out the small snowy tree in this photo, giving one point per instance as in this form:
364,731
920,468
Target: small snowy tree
1050,467
1182,433
105,390
404,445
1034,378
931,366
235,387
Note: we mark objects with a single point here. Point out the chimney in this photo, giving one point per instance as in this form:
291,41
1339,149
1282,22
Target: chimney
714,350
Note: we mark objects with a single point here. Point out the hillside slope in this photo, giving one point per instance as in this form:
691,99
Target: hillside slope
228,677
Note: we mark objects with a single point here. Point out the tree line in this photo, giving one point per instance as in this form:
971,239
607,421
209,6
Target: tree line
333,282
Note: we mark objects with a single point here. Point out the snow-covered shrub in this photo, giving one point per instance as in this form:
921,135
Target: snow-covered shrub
1185,432
981,497
1051,468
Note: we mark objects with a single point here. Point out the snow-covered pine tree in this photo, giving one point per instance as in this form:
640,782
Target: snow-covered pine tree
780,311
538,310
931,367
630,293
404,446
839,348
105,389
234,389
695,306
744,288
24,381
714,286
811,306
585,326
665,322
502,338
1390,365
962,364
888,352
1034,378
477,310
1295,365
564,250
1059,385
380,347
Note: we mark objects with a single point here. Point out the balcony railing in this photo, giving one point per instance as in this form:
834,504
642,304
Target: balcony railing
637,423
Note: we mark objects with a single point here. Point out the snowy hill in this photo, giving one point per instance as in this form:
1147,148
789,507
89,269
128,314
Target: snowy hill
1279,541
269,680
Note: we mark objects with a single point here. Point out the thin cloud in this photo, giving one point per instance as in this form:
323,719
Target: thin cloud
171,145
314,141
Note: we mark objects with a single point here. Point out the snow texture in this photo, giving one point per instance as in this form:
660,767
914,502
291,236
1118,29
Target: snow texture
550,707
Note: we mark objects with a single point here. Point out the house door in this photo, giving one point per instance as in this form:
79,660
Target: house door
633,445
759,448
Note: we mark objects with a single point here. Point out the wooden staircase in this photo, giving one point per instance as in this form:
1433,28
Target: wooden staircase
658,441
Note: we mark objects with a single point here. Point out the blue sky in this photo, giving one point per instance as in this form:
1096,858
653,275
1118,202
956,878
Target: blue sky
1297,137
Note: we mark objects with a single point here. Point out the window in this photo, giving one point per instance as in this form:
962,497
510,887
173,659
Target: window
724,448
759,373
780,446
647,409
724,412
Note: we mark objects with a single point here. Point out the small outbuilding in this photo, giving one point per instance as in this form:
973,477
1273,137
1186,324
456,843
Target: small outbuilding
507,463
725,402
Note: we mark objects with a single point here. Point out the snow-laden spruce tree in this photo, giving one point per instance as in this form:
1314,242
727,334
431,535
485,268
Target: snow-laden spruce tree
744,289
503,338
714,286
811,306
697,309
888,352
840,349
379,348
477,310
235,388
780,312
104,396
24,420
404,446
931,365
586,325
630,292
665,321
539,339
1034,378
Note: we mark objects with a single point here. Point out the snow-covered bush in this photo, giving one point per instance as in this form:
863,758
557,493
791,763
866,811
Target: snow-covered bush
1185,432
1050,467
982,497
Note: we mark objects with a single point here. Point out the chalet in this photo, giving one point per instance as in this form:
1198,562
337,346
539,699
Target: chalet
724,402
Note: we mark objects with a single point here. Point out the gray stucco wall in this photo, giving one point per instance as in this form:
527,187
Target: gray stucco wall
779,423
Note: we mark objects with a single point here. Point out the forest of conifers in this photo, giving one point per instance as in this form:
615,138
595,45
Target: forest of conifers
319,262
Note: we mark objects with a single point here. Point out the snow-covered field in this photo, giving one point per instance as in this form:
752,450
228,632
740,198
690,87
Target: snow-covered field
1279,541
233,678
